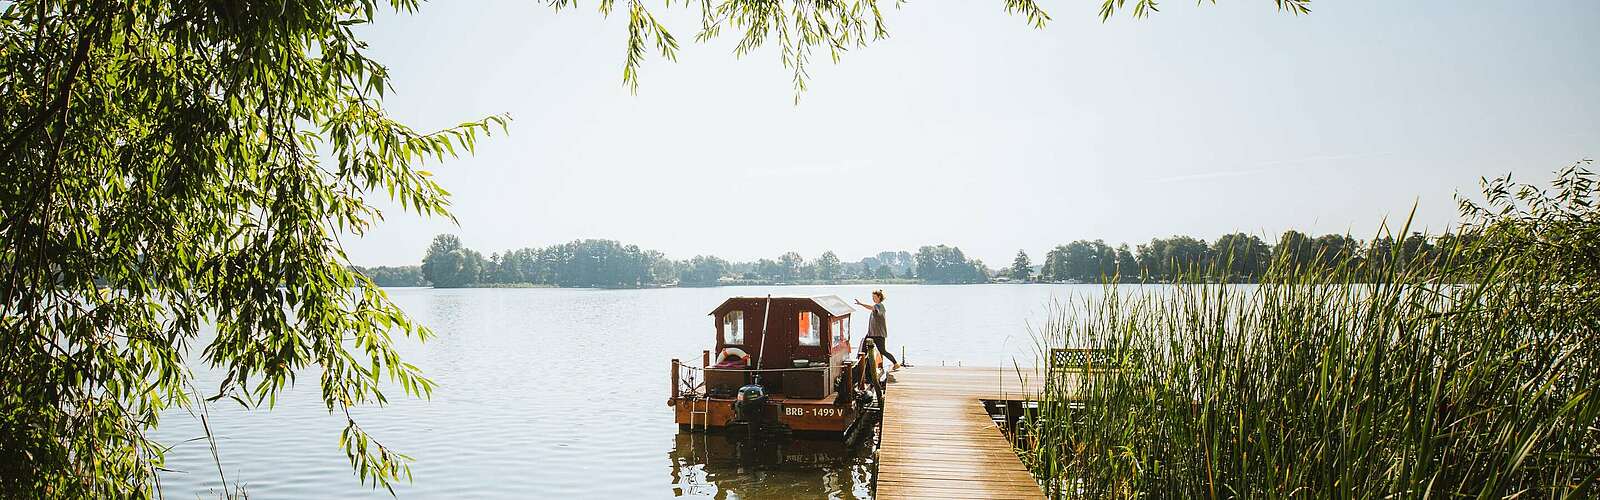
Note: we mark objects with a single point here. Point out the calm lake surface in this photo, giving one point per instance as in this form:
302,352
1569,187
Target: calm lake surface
562,393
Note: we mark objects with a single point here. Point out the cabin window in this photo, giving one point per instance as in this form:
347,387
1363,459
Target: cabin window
810,329
733,327
841,330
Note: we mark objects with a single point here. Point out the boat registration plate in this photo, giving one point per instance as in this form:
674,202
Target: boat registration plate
803,411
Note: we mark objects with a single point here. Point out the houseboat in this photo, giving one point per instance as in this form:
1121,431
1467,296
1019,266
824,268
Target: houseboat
779,364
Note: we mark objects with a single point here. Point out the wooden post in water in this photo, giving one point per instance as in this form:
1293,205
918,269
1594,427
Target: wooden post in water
674,399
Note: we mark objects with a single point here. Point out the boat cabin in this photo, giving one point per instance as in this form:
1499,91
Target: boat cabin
808,337
796,349
813,329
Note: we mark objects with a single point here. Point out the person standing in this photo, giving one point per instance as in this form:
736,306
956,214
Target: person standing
877,329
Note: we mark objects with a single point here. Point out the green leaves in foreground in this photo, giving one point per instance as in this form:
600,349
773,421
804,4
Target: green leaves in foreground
177,164
1474,377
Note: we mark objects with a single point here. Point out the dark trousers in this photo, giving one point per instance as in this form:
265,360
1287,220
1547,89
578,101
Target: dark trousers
878,343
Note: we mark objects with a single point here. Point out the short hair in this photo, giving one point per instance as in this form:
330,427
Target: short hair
879,293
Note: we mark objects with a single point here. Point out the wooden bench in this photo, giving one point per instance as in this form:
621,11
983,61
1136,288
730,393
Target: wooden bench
1092,360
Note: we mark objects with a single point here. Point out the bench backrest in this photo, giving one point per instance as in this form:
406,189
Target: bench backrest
1087,359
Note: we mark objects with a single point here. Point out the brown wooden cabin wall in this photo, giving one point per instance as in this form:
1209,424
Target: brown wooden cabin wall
784,338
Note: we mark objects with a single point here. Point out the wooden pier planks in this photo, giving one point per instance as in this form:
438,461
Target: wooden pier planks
938,442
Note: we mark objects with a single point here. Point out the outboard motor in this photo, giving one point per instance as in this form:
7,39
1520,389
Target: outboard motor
750,406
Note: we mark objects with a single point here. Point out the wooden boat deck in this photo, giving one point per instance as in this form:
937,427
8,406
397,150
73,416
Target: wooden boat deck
939,442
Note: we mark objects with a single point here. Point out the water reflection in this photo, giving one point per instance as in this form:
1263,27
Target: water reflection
729,466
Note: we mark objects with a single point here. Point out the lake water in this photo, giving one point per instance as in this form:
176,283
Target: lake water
562,393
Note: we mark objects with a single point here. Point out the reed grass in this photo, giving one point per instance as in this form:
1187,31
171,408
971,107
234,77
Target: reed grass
1475,376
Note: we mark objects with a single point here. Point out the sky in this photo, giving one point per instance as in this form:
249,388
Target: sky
968,127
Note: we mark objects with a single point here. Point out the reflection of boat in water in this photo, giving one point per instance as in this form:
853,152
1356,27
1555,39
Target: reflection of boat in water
782,363
732,465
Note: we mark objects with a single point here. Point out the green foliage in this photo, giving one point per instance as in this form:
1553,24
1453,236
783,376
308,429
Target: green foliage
581,263
387,276
1236,257
703,271
1233,258
827,267
1166,259
900,263
176,164
791,267
611,264
1470,371
769,269
1082,260
947,265
1242,256
1021,268
448,264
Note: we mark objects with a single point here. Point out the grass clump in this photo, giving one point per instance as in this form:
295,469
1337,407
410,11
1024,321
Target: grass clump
1471,375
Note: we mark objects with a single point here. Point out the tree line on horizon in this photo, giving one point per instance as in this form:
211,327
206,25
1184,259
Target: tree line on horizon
1234,258
599,263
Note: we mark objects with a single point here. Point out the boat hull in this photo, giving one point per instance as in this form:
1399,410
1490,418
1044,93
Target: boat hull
804,415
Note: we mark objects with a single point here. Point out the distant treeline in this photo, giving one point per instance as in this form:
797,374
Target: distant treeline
611,264
1235,257
394,275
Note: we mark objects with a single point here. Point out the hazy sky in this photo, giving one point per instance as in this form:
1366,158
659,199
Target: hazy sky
967,127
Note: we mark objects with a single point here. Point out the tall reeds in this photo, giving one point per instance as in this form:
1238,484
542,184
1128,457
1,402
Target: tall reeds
1471,376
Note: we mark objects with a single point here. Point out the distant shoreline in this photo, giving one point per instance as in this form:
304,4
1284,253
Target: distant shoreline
729,283
723,285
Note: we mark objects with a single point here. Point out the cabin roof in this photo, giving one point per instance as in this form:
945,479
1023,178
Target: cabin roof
831,303
835,305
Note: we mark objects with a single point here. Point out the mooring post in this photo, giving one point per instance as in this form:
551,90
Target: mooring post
849,379
674,399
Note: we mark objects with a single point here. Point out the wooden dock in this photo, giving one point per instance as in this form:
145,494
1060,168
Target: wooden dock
939,442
